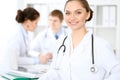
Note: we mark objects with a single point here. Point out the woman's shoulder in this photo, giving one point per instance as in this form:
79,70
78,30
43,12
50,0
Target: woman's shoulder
15,33
102,43
101,40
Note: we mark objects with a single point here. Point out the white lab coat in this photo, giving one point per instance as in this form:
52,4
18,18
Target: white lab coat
17,47
76,63
46,42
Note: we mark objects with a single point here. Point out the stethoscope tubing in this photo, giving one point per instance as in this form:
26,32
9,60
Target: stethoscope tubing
93,61
62,46
93,68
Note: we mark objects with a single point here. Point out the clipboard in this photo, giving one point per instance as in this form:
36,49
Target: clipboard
18,75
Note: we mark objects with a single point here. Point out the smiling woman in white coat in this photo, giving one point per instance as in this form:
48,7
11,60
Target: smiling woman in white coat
83,55
18,43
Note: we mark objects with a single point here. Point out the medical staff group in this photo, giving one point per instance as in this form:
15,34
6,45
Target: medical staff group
78,54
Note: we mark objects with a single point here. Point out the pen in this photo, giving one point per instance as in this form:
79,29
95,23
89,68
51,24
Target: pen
5,77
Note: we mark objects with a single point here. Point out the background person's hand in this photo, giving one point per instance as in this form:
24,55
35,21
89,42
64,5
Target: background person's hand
44,58
49,55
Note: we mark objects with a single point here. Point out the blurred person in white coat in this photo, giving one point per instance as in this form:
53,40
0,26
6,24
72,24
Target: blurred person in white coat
43,46
82,54
18,44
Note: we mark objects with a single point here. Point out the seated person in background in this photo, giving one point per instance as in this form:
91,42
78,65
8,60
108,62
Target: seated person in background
43,46
18,42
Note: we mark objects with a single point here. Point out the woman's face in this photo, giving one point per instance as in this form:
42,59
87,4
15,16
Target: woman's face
32,24
75,15
55,23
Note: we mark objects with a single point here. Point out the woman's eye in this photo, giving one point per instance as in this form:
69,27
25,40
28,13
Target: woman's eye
67,13
78,12
55,21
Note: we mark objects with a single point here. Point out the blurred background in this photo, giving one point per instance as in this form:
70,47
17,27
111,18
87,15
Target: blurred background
105,22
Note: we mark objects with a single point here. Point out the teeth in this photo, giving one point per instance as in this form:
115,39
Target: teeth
73,23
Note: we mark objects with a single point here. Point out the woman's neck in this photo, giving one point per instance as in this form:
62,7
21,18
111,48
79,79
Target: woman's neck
77,36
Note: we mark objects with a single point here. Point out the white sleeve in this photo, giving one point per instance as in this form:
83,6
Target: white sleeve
35,46
113,65
114,73
34,53
25,60
52,74
109,61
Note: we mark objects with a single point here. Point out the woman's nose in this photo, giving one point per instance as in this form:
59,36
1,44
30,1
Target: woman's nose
72,16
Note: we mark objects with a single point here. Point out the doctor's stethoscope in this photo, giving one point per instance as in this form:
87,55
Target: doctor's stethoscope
93,67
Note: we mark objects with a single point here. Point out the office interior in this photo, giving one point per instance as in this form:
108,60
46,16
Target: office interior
105,23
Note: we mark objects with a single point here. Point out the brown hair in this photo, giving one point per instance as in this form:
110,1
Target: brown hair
57,13
28,13
85,5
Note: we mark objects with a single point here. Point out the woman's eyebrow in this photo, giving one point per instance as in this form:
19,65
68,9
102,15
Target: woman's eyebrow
75,10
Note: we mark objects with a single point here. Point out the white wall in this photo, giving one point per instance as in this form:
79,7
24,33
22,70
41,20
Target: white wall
7,18
7,24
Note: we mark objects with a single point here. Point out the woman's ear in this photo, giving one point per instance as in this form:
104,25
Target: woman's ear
28,23
88,16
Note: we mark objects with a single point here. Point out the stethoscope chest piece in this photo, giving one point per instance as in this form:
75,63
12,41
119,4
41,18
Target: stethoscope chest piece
93,69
